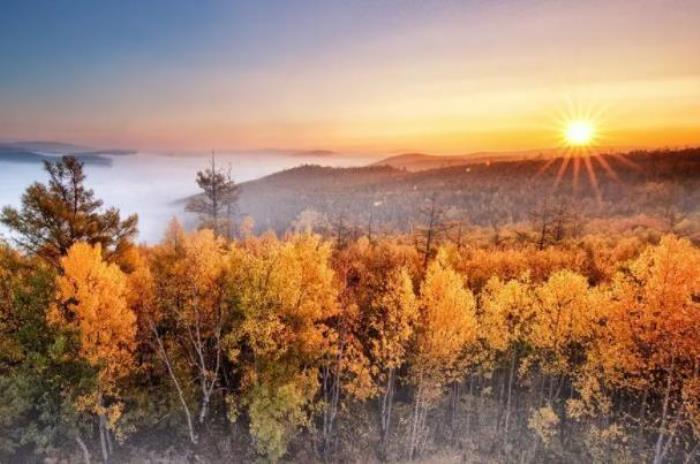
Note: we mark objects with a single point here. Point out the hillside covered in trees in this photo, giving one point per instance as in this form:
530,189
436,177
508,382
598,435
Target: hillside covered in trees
489,315
665,184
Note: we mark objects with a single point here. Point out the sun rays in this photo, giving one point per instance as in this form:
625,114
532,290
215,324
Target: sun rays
582,145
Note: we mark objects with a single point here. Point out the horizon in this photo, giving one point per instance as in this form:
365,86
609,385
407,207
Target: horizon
349,77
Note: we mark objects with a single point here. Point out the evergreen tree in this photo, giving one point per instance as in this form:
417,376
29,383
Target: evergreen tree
55,216
216,204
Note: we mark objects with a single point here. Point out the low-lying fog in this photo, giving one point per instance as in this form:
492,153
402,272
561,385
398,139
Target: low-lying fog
151,184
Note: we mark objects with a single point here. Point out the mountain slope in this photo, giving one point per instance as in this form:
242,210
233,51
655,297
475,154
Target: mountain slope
423,162
481,193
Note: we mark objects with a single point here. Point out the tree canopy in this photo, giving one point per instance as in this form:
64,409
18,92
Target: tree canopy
56,215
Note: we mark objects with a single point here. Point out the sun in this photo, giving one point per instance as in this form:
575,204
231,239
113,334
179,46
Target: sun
579,133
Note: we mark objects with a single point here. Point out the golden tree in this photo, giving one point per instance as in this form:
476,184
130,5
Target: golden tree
446,325
652,342
91,301
190,272
563,326
286,293
505,324
376,283
392,318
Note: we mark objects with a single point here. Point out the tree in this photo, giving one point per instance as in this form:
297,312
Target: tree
505,323
56,216
376,284
552,222
216,204
446,326
652,342
345,373
562,328
91,302
189,273
285,293
390,320
430,233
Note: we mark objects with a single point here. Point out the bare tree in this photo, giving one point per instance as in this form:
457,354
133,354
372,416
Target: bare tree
552,222
432,230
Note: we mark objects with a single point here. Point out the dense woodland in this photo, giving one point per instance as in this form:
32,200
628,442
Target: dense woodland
661,184
509,322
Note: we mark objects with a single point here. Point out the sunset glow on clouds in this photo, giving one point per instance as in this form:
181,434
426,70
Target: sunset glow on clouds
366,76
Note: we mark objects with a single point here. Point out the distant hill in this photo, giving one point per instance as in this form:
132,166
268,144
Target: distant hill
314,153
423,162
61,148
26,157
39,151
45,147
480,193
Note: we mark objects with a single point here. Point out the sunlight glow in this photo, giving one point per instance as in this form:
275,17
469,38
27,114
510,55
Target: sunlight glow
579,133
581,130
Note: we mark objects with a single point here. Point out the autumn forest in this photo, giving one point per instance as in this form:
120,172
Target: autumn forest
560,342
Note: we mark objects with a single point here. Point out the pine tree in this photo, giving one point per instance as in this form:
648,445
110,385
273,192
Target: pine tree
54,217
216,205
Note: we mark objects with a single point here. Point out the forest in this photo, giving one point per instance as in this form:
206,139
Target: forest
661,183
496,324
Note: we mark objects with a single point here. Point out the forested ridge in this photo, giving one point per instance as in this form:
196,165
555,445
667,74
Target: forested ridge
482,194
536,333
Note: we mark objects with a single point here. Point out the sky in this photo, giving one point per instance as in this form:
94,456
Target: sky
353,76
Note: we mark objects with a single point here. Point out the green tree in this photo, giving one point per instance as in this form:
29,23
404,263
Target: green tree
56,215
35,413
216,204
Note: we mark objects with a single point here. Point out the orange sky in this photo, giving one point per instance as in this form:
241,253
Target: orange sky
448,77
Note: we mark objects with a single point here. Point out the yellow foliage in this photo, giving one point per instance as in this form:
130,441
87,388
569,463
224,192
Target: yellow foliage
446,326
564,315
91,299
653,318
286,292
506,313
392,317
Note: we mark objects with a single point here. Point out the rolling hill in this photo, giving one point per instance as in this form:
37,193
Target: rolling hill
481,193
39,151
423,162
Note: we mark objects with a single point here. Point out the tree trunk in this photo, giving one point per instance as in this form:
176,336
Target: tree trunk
331,396
509,396
173,377
110,445
387,403
84,448
103,440
689,458
658,449
642,412
415,423
470,411
204,409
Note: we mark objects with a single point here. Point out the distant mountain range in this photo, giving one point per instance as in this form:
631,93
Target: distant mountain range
39,151
414,162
